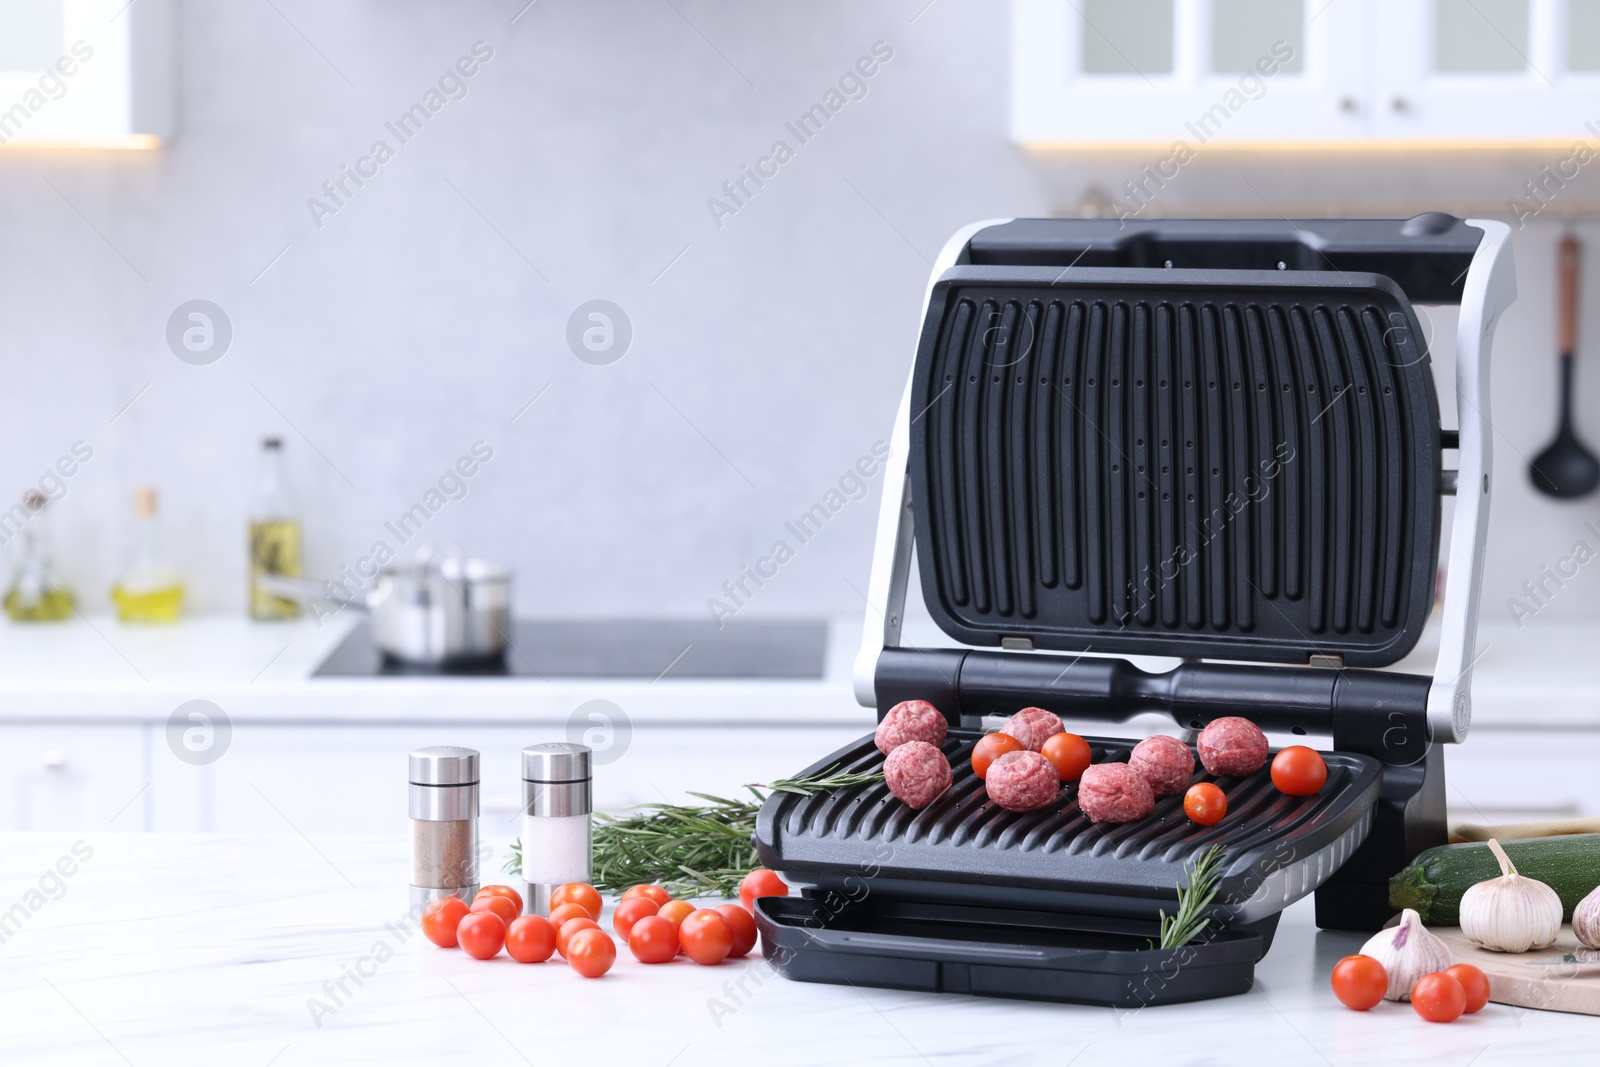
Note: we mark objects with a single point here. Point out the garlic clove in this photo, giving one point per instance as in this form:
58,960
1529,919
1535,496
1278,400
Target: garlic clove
1586,919
1407,951
1512,913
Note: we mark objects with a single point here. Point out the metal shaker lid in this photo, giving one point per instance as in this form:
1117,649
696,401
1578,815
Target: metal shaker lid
444,765
556,761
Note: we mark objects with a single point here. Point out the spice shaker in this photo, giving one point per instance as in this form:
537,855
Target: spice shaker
557,800
443,804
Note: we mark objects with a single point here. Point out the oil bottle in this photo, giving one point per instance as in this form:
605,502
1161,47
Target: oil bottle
148,589
36,593
274,534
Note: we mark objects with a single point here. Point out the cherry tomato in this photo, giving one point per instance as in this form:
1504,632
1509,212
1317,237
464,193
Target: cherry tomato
653,939
561,914
675,911
579,893
743,925
631,911
590,952
530,939
1069,752
504,907
482,934
1474,983
1359,982
652,892
1205,803
761,883
1299,771
501,891
991,747
440,919
707,938
1438,997
565,931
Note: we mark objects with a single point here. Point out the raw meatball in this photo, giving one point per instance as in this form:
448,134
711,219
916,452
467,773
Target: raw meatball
911,720
917,773
1232,746
1114,792
1033,727
1166,763
1022,781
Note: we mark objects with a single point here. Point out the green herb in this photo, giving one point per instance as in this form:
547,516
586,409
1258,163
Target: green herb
691,850
1194,900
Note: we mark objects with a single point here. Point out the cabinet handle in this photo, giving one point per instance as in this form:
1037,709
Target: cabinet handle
53,759
1400,105
1349,105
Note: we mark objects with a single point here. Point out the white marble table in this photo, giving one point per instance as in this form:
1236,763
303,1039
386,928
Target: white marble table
182,949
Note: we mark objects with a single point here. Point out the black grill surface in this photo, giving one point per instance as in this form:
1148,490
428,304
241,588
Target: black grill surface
1152,461
865,831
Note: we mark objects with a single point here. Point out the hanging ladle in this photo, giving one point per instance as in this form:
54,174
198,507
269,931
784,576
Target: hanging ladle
1566,469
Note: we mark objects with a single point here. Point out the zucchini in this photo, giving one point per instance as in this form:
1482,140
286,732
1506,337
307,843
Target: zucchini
1434,882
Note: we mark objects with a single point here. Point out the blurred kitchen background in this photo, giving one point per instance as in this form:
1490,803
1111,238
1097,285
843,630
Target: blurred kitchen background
384,327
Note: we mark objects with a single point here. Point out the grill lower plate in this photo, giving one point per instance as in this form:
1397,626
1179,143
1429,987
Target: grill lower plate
963,847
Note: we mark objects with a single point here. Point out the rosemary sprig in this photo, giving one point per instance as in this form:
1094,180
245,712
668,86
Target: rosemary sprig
691,850
1194,900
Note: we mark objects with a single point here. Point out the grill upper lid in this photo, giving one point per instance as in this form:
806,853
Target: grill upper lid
1234,464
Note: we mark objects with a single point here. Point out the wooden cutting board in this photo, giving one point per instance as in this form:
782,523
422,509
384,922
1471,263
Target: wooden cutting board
1538,979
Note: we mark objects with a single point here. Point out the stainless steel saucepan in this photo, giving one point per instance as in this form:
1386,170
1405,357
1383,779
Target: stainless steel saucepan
441,607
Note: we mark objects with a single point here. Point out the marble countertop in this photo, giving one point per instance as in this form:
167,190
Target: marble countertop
179,949
1542,675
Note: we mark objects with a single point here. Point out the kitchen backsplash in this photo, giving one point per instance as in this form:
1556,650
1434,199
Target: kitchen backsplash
434,232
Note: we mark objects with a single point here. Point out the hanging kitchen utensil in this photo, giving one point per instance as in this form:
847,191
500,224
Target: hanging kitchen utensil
1566,469
441,607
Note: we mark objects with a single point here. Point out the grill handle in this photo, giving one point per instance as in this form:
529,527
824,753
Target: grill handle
1382,714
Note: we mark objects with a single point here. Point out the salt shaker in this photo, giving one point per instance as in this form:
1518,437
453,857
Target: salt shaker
443,803
557,800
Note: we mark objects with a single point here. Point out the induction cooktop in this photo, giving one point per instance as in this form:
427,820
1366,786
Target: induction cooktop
651,649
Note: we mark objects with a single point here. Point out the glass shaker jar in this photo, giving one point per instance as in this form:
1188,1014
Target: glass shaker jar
443,804
557,800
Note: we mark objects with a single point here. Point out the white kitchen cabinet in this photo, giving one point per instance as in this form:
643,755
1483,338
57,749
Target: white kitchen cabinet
74,776
1303,72
1506,775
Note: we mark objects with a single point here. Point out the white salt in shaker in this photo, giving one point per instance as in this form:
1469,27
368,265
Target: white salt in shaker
557,800
443,805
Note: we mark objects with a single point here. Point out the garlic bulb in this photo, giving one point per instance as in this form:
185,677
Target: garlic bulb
1510,913
1407,951
1586,919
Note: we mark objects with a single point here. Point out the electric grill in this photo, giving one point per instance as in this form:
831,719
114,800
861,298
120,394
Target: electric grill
1211,440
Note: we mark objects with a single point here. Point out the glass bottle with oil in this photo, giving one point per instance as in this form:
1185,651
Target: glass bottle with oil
274,535
148,590
36,593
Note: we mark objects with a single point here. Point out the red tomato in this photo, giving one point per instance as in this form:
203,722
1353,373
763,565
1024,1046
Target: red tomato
560,914
651,892
1069,752
761,883
440,919
743,925
590,952
504,907
530,939
1205,803
707,938
653,939
565,931
1474,983
579,893
482,934
675,911
1359,982
501,891
631,911
1438,997
991,747
1299,771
